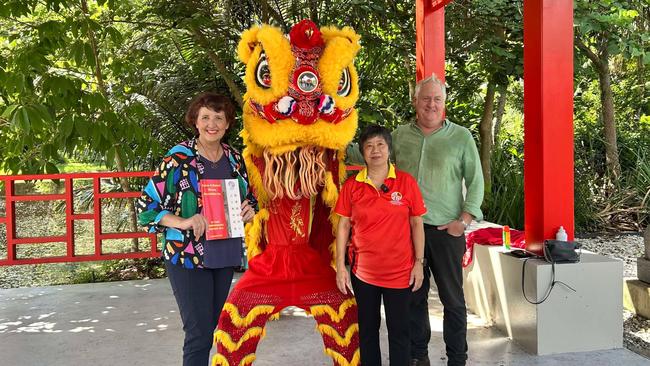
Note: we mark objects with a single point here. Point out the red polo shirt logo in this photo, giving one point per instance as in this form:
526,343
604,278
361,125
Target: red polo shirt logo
396,198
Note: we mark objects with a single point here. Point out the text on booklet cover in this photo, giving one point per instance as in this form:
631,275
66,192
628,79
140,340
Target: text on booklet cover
222,208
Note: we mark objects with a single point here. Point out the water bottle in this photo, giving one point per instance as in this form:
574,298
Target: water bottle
561,234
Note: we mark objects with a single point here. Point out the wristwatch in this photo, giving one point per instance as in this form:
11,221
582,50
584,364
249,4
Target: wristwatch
465,224
422,261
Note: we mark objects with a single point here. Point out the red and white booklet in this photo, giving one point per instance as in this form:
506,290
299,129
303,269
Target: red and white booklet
222,208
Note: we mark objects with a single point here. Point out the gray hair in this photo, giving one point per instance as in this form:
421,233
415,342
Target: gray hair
431,79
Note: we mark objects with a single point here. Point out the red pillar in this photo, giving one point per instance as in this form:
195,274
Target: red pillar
430,38
548,119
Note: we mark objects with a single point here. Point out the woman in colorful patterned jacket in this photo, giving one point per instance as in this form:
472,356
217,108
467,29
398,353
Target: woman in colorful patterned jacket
200,271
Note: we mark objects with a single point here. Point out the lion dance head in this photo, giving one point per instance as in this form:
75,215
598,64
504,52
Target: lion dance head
299,116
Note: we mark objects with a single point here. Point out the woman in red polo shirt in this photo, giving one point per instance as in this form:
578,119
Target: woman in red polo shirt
383,207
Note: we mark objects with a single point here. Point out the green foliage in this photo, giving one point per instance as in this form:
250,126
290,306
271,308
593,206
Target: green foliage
59,91
506,201
113,82
613,26
622,205
495,53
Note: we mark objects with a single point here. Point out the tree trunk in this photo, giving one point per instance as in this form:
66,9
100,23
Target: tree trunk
119,164
485,137
642,23
409,67
501,108
600,62
269,13
609,122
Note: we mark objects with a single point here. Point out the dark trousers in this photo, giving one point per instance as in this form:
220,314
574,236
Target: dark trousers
444,254
200,295
396,304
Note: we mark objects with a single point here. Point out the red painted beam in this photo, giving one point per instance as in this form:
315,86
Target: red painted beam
548,120
97,204
438,4
41,239
87,216
10,212
105,236
69,220
430,38
38,197
153,239
120,194
101,175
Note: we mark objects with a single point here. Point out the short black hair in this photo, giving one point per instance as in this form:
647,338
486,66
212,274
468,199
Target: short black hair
375,131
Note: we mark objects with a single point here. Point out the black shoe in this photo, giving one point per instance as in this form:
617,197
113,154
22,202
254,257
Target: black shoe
420,362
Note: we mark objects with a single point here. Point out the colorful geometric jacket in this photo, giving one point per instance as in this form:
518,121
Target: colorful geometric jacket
174,188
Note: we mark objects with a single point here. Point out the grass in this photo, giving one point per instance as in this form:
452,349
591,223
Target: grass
72,166
79,167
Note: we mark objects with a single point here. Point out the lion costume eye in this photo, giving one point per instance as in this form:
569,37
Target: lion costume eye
262,72
344,84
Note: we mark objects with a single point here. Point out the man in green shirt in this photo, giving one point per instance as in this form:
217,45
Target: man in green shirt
442,156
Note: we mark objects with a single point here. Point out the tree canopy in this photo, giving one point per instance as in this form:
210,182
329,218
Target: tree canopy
108,81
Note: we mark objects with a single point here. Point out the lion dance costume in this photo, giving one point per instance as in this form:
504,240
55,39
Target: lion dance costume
299,117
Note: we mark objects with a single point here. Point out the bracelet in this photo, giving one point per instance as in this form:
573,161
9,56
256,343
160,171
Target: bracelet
422,261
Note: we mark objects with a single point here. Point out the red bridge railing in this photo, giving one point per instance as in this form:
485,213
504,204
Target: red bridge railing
11,198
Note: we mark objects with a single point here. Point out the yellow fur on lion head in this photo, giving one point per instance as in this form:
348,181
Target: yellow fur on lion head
283,133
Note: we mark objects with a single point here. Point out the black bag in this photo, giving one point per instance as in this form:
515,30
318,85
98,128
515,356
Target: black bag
558,251
555,251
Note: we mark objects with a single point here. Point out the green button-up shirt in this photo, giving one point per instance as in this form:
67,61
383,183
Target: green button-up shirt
439,162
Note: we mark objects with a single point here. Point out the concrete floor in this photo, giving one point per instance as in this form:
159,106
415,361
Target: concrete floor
137,323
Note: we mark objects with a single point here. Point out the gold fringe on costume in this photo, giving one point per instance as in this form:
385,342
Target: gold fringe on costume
287,135
240,321
335,315
307,165
253,232
220,360
341,341
330,195
225,339
341,360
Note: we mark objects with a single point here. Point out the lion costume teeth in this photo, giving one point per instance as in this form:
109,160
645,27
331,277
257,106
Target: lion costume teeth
299,117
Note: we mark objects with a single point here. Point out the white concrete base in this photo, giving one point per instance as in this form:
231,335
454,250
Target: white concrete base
586,320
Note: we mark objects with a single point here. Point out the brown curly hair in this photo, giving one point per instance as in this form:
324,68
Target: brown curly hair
212,101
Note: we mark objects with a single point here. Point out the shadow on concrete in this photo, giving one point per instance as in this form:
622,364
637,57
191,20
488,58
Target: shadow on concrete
137,323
